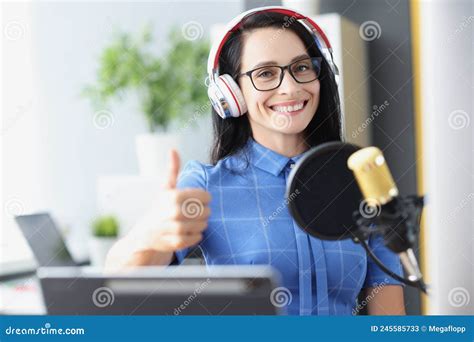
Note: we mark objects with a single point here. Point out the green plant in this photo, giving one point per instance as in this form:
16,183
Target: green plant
169,87
105,226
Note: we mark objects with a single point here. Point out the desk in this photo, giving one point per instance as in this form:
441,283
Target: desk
21,296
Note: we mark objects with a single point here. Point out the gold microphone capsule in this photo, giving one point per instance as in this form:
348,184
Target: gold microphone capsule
372,174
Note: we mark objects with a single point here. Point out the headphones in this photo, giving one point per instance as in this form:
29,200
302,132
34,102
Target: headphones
223,91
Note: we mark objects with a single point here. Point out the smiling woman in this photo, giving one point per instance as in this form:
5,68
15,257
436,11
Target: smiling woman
274,97
272,39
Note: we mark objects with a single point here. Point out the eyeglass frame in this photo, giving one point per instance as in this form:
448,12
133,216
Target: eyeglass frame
283,69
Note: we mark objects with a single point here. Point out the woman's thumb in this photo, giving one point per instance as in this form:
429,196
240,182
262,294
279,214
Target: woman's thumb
173,172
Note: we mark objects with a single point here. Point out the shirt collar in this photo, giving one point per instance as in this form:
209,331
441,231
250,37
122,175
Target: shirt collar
269,160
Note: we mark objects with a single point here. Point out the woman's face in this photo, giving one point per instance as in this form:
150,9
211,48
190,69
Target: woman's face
276,111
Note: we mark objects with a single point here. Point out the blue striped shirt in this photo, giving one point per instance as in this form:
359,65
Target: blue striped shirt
250,224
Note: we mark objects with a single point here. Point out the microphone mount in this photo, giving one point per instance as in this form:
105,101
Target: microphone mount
398,221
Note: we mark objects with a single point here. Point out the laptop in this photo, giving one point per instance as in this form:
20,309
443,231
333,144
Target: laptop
45,240
160,290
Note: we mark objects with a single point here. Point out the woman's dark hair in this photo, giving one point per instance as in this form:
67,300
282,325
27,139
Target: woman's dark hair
231,135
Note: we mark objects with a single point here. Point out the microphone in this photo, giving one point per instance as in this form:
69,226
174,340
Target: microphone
338,190
396,217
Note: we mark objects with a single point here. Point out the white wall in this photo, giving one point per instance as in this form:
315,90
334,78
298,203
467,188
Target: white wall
52,151
447,101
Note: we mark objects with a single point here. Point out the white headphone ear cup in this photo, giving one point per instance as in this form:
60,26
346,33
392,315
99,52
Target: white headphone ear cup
233,95
215,96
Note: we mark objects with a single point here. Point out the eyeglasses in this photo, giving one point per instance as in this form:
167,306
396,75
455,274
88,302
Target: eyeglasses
270,77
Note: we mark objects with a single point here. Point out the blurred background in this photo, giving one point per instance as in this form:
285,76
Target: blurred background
95,93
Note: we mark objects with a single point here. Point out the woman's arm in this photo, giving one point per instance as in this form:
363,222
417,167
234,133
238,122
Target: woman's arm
386,300
122,255
169,226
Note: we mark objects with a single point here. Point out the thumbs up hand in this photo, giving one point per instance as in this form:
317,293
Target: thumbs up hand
176,219
174,166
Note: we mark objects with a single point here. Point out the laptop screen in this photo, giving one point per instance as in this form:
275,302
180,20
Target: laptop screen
45,240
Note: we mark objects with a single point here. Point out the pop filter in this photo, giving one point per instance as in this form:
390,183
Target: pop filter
322,192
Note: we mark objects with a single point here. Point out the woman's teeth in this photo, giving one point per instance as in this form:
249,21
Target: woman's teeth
288,109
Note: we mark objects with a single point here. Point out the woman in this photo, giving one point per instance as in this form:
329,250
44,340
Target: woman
289,104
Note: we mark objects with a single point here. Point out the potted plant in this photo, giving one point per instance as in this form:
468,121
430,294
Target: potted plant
105,231
169,87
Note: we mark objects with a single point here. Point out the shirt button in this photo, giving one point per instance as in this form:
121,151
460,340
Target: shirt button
292,166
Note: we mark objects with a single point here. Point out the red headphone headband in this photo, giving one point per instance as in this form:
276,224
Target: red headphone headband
245,15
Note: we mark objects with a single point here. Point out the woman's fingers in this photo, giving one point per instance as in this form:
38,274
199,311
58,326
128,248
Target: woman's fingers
200,195
173,172
182,205
185,227
177,242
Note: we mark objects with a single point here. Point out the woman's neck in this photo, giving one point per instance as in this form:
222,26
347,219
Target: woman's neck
288,145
